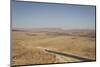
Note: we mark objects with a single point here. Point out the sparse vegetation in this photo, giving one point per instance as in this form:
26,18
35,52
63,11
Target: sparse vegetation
27,47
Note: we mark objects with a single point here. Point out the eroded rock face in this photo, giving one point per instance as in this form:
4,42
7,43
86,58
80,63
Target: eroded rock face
32,56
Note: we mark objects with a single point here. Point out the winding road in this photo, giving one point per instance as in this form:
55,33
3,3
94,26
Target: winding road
71,57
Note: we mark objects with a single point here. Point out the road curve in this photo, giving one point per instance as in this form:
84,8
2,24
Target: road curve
69,55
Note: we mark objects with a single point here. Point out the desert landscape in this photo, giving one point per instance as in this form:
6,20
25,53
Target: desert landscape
51,33
45,47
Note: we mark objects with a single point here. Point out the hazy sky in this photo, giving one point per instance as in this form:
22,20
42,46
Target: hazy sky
43,15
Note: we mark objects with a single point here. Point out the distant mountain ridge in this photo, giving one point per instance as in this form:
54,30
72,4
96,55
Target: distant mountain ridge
53,30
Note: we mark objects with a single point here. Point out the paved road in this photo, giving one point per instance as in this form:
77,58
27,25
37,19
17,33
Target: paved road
69,55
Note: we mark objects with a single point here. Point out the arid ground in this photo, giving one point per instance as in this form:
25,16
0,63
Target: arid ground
32,47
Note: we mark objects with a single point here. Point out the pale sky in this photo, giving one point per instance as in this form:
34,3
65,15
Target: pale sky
46,15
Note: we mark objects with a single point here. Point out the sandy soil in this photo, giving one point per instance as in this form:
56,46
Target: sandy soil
26,47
